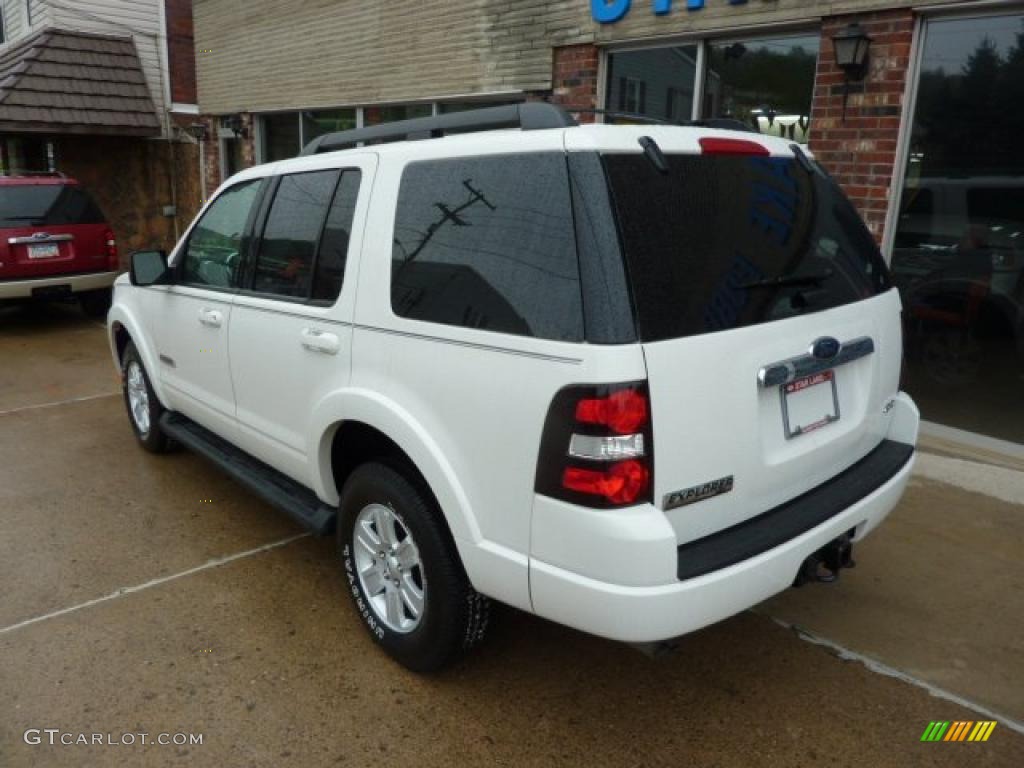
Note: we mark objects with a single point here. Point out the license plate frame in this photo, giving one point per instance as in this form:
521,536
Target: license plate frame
804,398
43,250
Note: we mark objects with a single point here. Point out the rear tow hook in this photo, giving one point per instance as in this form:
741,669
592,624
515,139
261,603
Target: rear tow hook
825,564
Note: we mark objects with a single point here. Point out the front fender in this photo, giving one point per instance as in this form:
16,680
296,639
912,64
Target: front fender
124,315
386,416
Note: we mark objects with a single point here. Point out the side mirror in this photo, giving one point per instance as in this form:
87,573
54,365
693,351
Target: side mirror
149,268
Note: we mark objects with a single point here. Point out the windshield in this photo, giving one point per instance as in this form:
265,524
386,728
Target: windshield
723,241
47,205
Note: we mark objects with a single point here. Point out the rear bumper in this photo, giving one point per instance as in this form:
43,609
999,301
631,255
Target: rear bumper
712,591
22,288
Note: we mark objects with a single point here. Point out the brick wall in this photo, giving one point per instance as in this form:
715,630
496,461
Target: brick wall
211,148
860,150
574,78
181,55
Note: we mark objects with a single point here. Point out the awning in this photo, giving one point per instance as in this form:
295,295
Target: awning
60,81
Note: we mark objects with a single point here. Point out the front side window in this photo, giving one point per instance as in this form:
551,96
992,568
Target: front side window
722,242
213,253
284,266
488,243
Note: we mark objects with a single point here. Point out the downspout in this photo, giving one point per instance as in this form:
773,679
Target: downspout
165,85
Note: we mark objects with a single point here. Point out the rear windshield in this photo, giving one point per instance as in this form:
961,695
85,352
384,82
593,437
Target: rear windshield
47,205
723,242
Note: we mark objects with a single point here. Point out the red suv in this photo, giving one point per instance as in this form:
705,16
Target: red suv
55,242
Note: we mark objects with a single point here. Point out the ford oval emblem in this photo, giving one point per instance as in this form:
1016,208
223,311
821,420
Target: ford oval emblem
825,348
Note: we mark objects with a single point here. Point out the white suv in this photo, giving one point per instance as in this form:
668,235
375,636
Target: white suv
633,379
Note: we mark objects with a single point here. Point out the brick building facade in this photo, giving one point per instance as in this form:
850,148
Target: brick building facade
922,138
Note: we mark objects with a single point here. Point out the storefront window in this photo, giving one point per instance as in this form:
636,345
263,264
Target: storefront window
318,122
388,114
958,254
767,84
280,136
447,107
655,83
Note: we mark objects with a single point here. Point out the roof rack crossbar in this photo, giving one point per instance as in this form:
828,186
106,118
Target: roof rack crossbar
529,116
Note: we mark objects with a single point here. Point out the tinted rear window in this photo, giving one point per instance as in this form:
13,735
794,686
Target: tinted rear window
726,241
47,205
488,243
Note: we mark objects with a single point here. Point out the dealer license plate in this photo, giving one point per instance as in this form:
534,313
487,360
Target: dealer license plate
809,403
43,251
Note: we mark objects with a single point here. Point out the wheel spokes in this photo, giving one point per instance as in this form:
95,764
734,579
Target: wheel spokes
412,596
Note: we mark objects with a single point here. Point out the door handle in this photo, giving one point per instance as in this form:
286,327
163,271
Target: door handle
210,317
318,341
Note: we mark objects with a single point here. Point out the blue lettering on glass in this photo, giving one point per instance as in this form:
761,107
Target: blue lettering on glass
605,12
609,11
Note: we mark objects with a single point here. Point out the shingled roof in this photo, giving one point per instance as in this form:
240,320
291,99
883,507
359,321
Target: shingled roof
60,81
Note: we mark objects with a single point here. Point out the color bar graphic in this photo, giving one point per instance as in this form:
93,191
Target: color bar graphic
958,730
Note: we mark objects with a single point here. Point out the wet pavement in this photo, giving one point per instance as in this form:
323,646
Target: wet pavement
231,627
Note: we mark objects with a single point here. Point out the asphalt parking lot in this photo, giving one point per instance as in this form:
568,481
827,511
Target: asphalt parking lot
152,594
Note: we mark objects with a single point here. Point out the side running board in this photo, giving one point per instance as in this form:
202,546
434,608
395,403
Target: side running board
265,481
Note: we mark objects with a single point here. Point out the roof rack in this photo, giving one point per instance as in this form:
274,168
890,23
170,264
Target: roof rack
529,116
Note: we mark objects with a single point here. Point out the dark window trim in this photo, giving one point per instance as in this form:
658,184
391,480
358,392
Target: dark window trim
323,228
266,204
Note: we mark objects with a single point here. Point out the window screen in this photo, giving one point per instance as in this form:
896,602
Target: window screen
488,243
330,263
284,266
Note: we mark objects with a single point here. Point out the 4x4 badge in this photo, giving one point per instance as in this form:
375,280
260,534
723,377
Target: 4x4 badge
697,493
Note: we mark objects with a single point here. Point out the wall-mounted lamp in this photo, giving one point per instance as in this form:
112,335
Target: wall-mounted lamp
236,125
851,45
197,131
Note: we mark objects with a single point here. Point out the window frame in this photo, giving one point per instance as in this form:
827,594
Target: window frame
259,227
702,41
178,270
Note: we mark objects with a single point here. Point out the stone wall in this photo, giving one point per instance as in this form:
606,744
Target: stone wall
132,180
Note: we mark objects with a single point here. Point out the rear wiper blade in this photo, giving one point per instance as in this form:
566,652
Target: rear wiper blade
773,282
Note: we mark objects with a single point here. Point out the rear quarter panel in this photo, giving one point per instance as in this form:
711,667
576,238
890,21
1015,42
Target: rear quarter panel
474,400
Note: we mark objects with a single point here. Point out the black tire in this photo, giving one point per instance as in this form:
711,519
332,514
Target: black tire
95,304
152,437
454,616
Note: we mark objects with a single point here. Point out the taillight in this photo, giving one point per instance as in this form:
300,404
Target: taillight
110,243
715,145
596,450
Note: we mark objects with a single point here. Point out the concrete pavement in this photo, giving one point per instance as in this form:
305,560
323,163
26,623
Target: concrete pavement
234,629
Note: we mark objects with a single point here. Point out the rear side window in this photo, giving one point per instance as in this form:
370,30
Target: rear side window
488,243
723,242
330,262
47,205
284,266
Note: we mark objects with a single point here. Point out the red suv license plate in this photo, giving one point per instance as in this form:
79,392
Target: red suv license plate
43,251
809,403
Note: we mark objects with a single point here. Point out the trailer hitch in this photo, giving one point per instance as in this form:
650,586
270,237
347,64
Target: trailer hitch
825,564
